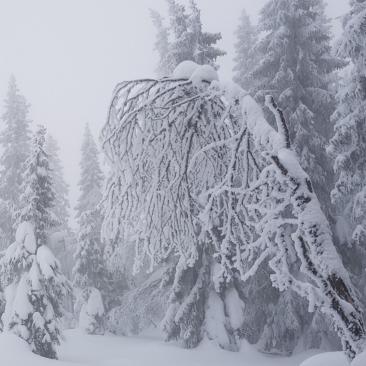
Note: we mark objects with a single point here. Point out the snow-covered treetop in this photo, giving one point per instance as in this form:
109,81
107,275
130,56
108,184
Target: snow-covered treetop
195,72
246,59
183,39
15,140
62,205
91,179
38,195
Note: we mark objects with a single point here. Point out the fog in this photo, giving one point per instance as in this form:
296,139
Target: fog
67,56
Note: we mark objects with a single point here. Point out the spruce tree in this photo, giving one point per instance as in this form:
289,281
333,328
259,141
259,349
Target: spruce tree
90,274
165,64
61,188
91,180
15,143
184,39
35,286
348,145
246,58
205,51
297,68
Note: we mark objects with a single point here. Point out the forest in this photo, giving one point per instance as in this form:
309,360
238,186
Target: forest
225,218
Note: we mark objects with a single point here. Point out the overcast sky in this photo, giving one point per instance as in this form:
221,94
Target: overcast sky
67,56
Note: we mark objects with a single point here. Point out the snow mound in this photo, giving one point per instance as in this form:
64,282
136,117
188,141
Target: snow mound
216,324
329,358
16,352
235,308
264,134
90,312
204,73
47,261
185,70
194,72
360,360
232,91
25,235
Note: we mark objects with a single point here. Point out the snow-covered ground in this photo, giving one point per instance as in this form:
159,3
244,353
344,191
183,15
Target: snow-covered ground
79,349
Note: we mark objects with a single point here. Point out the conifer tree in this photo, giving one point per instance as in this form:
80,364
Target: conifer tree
15,143
90,274
161,45
348,145
61,188
184,39
35,286
208,186
246,58
38,195
297,68
91,180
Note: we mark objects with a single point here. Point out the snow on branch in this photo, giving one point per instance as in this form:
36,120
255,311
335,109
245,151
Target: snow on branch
280,120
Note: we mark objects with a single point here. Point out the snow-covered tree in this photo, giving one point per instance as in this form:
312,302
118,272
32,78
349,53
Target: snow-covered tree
34,284
348,146
91,179
90,274
297,68
183,39
92,312
200,178
165,64
246,58
38,195
15,143
61,188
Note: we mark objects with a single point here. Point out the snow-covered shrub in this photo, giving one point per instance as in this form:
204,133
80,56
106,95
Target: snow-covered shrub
91,317
34,291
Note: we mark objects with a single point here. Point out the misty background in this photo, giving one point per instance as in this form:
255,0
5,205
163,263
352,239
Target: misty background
68,55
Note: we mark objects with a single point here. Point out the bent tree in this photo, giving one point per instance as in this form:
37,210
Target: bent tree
200,180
